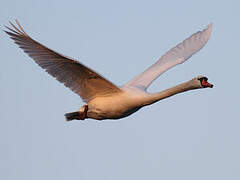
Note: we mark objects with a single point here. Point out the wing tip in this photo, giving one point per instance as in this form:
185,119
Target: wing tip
15,28
208,30
209,27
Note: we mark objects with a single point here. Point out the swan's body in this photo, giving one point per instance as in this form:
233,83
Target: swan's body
104,99
132,99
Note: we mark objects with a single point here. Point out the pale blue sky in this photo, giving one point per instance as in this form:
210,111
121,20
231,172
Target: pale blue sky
194,135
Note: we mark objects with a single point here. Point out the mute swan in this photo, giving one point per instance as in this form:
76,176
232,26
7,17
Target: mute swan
103,99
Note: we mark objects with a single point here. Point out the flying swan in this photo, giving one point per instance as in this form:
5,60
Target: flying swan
104,100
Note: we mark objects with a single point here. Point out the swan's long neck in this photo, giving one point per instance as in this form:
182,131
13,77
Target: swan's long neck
154,97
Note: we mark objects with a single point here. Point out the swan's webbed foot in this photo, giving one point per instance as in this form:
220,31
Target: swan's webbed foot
78,115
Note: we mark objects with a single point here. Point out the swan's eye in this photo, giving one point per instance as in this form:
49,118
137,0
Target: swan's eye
203,78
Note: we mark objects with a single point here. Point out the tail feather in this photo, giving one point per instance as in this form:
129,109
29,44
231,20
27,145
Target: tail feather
71,116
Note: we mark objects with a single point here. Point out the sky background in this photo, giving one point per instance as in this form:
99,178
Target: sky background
194,135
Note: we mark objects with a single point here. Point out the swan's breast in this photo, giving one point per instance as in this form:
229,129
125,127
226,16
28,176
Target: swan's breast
115,106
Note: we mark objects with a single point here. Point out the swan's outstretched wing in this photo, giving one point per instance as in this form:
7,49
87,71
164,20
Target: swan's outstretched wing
176,55
79,78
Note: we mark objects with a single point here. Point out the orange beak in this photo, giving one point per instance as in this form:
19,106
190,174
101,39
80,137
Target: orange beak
206,84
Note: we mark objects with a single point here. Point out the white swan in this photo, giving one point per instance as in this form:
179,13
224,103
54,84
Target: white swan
103,99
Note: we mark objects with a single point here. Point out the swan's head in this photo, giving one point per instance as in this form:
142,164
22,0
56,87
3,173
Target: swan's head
201,82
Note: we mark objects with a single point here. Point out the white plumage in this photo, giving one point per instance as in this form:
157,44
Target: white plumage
104,99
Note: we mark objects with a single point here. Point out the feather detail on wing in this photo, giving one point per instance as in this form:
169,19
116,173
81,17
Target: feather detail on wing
79,78
176,55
